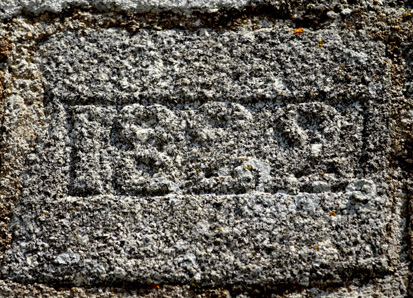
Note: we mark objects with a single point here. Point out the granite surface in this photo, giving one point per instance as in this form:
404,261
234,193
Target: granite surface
211,148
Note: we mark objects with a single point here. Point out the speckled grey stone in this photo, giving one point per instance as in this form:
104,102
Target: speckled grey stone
246,158
13,8
260,165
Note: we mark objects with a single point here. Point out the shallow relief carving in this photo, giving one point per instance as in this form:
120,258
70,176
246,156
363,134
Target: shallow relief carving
146,171
213,147
146,119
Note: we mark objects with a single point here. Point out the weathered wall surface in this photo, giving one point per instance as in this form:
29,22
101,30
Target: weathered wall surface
212,148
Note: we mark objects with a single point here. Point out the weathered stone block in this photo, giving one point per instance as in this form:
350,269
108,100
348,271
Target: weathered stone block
229,157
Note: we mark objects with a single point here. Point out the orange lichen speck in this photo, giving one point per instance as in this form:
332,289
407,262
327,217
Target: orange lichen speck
299,31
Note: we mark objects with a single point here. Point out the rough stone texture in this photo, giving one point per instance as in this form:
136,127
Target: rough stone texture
243,158
12,7
309,10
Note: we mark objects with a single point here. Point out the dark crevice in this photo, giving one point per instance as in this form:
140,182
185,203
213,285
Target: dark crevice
252,290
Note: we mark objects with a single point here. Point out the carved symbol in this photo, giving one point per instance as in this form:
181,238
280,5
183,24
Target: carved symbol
158,149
